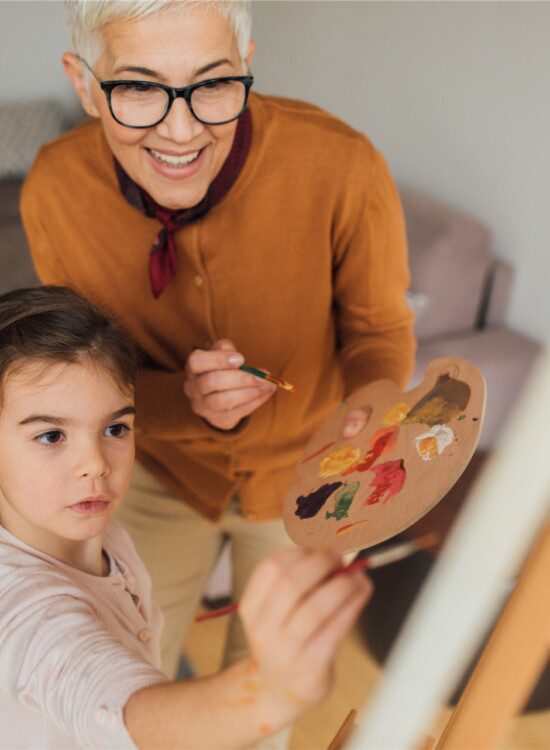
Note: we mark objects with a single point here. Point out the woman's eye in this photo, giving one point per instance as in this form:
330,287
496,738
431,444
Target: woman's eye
134,88
117,430
215,85
49,438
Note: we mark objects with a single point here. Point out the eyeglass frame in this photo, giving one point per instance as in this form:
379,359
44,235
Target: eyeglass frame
173,93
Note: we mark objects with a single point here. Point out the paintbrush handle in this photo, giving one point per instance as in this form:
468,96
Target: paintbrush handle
376,560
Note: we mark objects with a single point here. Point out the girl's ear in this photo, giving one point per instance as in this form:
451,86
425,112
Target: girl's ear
74,70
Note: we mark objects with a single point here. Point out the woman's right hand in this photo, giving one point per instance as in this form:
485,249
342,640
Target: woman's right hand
218,391
296,614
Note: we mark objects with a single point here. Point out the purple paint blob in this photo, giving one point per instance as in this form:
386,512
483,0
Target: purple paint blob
309,505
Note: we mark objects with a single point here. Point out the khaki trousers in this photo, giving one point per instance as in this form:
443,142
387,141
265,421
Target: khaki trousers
180,548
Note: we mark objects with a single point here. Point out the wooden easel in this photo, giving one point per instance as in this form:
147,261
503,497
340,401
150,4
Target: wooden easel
510,663
508,668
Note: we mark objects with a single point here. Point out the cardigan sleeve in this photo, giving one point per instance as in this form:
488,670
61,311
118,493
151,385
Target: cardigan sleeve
46,260
59,659
371,276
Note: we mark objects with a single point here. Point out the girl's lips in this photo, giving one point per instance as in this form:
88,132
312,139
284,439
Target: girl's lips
90,507
177,173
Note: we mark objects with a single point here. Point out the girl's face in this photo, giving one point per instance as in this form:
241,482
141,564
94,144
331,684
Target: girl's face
67,451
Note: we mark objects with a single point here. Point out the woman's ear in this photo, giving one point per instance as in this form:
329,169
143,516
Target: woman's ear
251,49
74,71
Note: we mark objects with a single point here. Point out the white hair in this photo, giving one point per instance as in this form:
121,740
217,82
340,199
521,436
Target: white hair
86,18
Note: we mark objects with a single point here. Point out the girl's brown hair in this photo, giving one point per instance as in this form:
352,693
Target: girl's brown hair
56,324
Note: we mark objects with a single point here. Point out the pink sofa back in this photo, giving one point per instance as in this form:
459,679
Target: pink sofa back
450,260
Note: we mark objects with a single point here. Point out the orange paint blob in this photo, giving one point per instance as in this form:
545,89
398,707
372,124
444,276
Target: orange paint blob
349,526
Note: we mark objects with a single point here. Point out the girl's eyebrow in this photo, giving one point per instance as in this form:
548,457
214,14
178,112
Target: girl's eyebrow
62,420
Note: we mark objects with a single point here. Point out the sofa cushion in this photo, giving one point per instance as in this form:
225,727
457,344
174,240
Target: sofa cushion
24,127
9,200
16,265
450,259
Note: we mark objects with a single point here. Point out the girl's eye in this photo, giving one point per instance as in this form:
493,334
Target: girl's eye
49,438
117,430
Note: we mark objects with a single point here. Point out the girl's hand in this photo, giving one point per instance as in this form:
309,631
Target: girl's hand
220,392
296,615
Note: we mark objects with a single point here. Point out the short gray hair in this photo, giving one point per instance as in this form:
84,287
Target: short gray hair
86,18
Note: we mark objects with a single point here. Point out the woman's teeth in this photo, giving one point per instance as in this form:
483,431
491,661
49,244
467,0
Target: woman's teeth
174,161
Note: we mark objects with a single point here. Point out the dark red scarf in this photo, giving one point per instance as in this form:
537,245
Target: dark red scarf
163,259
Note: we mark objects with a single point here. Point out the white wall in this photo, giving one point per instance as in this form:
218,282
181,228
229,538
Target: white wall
456,94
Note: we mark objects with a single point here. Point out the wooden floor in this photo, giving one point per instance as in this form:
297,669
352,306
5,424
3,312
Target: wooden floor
355,678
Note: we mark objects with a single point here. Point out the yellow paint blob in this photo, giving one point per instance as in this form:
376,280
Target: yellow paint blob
397,413
339,460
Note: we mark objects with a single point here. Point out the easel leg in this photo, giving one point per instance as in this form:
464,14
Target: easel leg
511,662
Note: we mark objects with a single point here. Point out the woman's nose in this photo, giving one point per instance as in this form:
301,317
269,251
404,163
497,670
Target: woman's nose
180,125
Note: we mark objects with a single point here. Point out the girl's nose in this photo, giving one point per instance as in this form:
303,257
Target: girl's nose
93,464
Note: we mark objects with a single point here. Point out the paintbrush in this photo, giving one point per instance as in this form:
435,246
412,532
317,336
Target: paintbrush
285,385
270,378
377,560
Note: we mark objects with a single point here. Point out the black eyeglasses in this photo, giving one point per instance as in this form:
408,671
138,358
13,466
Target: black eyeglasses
143,104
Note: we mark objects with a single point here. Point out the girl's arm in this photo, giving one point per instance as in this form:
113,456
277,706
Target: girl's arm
295,617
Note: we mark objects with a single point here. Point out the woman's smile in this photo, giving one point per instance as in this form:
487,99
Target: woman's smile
176,165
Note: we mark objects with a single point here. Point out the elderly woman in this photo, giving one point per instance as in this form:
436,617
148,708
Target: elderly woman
222,227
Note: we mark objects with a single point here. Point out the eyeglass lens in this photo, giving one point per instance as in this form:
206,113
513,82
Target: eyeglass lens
140,105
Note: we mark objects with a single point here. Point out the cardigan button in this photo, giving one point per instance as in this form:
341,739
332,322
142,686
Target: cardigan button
144,635
199,281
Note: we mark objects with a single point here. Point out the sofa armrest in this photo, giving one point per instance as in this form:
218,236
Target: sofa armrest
499,290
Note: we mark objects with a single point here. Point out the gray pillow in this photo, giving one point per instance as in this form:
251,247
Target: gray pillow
24,127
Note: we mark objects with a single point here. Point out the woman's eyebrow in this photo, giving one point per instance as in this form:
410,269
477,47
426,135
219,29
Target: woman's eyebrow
153,73
63,420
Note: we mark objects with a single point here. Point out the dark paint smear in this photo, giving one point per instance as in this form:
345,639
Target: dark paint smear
309,505
445,401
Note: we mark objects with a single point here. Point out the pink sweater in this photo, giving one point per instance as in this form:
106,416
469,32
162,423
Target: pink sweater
73,646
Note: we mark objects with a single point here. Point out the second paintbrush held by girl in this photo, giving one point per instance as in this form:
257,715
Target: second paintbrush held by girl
79,632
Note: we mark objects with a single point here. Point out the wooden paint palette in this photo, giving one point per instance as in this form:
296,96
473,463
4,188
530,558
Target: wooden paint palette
351,494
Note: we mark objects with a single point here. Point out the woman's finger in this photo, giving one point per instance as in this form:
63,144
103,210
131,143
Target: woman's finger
224,380
355,422
200,361
236,399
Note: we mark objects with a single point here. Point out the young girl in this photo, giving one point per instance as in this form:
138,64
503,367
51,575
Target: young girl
79,633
